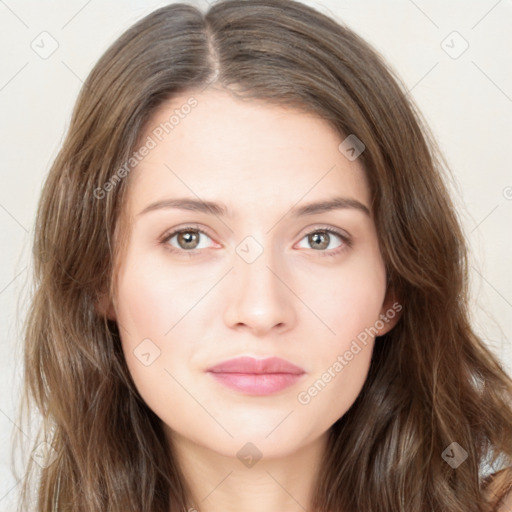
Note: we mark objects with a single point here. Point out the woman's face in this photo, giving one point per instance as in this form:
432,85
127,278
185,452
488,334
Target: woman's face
260,279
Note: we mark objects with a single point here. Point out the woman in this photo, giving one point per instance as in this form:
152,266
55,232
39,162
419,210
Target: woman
253,372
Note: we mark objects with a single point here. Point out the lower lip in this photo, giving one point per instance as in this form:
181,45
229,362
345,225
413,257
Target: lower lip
257,383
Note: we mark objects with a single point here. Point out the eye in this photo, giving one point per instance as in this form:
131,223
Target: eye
187,239
320,239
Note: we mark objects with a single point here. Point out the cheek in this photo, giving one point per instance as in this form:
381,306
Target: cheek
154,297
352,296
154,309
152,347
330,393
349,310
342,357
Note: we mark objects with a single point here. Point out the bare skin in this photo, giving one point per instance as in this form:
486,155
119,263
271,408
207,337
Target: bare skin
302,298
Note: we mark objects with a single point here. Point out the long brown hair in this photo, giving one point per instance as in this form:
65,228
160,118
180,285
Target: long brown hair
432,381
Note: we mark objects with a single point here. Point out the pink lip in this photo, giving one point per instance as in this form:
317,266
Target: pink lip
257,376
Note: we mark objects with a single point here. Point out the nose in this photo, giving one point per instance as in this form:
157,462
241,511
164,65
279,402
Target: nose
259,296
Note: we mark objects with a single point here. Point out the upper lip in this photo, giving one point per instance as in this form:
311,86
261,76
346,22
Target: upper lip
247,364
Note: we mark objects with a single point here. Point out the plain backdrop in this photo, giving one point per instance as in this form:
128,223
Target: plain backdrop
453,56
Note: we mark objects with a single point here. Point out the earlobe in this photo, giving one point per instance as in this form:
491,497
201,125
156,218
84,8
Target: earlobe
390,313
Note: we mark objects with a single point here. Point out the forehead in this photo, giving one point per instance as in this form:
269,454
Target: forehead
246,154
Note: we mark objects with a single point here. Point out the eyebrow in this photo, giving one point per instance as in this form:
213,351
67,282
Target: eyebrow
219,209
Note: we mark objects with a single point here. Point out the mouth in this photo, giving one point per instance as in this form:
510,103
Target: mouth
257,376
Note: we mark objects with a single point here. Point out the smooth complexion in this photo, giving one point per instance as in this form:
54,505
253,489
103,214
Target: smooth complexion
199,301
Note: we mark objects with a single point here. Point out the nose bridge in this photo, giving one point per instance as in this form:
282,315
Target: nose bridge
254,263
259,297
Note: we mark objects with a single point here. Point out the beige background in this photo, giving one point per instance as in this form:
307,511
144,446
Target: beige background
464,93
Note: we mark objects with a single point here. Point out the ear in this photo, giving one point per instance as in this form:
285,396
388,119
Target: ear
104,307
390,312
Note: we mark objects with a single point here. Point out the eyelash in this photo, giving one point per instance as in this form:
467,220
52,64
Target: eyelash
347,242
